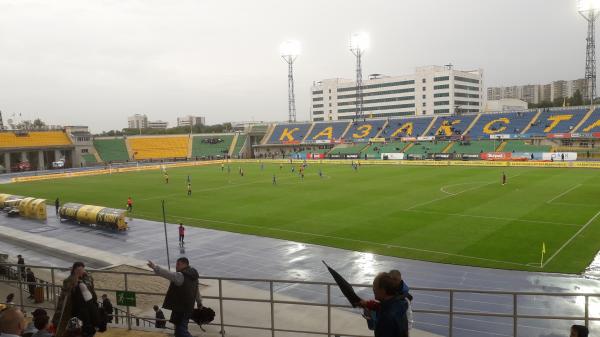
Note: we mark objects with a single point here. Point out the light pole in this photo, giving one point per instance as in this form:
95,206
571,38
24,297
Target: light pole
289,50
589,9
359,42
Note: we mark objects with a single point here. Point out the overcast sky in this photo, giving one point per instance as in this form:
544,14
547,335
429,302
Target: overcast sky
96,62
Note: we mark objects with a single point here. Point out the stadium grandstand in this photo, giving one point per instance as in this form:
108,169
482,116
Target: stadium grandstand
363,131
34,150
573,129
497,123
527,131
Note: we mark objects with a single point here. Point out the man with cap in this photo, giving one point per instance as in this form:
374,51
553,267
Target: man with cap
182,294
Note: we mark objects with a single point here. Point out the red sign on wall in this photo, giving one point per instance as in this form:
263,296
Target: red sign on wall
496,156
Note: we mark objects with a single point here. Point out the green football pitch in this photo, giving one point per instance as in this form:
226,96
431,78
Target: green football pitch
459,215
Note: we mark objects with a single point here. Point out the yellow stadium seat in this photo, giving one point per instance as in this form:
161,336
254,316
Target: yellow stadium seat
159,147
34,139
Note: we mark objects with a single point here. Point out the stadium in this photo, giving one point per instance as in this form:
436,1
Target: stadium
491,217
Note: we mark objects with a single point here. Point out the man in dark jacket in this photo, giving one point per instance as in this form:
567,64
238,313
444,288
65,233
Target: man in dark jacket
160,321
182,294
108,308
21,263
30,279
390,318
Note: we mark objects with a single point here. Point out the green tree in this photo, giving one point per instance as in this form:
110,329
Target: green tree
38,124
577,99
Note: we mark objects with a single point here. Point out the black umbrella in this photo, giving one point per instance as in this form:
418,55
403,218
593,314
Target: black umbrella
345,287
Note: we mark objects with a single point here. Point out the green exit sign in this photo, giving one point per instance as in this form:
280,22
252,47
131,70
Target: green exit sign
126,298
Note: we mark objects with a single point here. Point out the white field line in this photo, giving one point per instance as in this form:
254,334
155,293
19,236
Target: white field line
267,181
496,218
387,245
455,194
573,204
571,239
562,194
443,188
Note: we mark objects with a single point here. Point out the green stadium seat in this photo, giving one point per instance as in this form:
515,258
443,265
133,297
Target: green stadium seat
202,149
345,149
375,150
111,150
238,145
427,147
521,146
89,159
474,147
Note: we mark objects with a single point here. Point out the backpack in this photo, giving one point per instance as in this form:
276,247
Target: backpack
203,315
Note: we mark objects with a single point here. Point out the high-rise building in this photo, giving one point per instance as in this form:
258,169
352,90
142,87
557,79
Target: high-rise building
137,121
193,120
158,125
545,93
430,90
529,93
537,93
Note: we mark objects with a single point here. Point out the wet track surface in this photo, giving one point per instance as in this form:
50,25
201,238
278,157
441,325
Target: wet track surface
224,254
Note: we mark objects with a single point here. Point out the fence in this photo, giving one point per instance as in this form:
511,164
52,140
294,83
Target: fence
10,274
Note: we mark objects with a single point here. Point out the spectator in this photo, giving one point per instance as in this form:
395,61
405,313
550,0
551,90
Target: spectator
389,320
30,278
181,234
579,331
102,320
21,268
31,329
42,324
77,299
57,205
10,300
160,321
403,290
108,308
182,293
12,323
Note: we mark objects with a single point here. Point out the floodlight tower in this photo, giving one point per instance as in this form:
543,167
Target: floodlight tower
289,51
359,42
589,10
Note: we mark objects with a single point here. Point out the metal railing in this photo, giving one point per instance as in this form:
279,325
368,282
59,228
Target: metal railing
10,274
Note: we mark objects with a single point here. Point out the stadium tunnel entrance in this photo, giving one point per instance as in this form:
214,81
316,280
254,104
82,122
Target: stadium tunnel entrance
34,160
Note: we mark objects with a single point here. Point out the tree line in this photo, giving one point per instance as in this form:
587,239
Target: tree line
217,128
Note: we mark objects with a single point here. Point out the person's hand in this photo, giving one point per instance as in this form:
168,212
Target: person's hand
362,304
151,265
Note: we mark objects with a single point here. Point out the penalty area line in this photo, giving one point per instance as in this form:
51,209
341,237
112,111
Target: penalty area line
562,194
571,239
386,245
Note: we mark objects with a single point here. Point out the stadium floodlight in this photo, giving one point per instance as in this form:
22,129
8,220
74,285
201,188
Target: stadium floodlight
587,5
359,42
589,10
290,48
289,51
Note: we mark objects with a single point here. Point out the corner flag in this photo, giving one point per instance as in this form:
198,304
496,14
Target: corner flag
543,252
543,248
